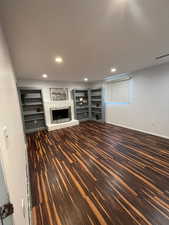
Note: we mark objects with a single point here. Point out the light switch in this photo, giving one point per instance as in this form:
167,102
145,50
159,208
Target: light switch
5,136
5,132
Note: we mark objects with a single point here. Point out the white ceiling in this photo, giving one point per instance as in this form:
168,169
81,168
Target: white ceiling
90,35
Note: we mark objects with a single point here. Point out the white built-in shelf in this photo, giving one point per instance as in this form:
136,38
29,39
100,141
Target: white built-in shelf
96,100
32,104
81,96
28,113
33,97
85,112
82,107
95,107
30,120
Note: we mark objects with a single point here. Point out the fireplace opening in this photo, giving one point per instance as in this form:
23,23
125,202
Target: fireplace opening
60,115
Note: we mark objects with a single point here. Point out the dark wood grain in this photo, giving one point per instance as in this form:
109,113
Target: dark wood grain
96,173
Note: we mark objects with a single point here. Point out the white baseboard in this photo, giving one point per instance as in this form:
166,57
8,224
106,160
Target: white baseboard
143,131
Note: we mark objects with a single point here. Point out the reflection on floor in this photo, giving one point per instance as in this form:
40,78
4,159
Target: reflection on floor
95,174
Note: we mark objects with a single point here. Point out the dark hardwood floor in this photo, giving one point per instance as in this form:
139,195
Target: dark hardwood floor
96,174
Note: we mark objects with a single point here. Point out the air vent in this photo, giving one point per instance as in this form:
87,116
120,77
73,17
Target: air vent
162,56
119,77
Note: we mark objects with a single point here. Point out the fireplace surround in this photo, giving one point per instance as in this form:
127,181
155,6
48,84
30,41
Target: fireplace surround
60,115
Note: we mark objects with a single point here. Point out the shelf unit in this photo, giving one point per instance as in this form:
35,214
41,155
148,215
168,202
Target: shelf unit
89,104
32,109
81,104
97,104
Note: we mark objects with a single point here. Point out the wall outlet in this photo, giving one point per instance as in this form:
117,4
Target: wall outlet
5,136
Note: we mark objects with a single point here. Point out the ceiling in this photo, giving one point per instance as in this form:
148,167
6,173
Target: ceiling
90,35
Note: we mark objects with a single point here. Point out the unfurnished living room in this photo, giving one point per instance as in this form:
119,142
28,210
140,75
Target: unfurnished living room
84,112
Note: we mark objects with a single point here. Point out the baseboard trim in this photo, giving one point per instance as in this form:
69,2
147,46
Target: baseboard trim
142,131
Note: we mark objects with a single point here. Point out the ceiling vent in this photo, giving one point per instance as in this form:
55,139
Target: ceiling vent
119,77
162,59
162,56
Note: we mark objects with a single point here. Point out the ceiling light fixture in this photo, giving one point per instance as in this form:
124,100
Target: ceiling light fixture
85,79
44,75
113,70
58,60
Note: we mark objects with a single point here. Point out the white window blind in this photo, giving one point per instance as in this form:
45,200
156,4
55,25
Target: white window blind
117,92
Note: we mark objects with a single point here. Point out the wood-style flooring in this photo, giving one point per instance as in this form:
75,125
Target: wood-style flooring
98,174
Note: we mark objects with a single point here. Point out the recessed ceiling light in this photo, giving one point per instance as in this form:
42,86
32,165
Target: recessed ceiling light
44,75
113,70
86,79
58,60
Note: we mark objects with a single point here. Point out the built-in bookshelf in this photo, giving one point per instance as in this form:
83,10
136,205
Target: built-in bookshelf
81,104
97,104
32,109
88,104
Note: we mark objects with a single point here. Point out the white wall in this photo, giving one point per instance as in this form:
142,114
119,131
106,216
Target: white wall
148,108
45,86
12,148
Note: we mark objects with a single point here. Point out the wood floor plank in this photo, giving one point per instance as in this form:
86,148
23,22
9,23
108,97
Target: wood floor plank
98,174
